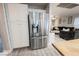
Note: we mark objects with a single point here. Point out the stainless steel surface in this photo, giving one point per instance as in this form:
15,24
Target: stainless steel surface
38,29
36,42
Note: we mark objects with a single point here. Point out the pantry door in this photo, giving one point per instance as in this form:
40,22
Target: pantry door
18,25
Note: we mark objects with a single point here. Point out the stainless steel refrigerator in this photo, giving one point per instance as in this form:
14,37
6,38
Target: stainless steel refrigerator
38,29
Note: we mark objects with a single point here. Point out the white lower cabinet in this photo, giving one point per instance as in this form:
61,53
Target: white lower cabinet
51,38
19,34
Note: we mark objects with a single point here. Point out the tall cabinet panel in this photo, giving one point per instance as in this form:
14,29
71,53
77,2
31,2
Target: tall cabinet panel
18,24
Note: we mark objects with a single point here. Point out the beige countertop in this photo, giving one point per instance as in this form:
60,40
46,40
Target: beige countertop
68,48
55,31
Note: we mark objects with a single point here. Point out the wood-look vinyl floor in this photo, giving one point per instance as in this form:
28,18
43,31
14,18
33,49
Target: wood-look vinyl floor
49,51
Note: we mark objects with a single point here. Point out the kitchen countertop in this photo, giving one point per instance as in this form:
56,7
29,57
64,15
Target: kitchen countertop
55,31
68,48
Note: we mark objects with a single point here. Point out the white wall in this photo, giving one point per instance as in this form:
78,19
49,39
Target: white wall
54,10
76,22
3,31
64,11
50,17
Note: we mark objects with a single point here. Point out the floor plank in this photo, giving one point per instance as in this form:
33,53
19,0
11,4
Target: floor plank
49,51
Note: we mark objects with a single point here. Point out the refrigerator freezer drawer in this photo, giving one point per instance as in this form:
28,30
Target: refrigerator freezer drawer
39,42
36,43
44,42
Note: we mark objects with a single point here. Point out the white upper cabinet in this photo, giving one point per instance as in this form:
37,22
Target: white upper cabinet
67,21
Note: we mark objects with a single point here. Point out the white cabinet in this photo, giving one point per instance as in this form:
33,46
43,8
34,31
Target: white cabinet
18,24
63,21
51,38
67,21
20,34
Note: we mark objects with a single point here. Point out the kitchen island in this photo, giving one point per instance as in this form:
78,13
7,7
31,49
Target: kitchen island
67,48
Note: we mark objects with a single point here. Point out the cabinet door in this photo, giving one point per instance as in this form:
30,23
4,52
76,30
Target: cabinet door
19,34
61,21
70,20
18,25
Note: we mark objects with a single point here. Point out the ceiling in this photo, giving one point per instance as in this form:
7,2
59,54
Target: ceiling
63,11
